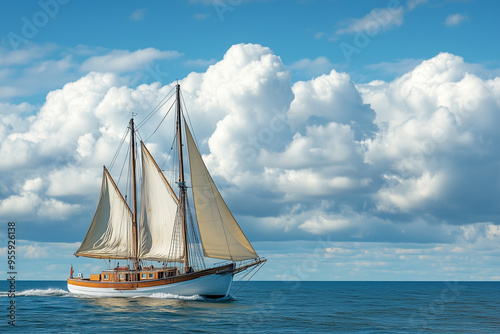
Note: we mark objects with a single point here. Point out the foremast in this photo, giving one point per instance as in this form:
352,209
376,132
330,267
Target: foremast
182,183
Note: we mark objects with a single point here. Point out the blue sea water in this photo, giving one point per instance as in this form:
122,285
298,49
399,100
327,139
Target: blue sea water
264,307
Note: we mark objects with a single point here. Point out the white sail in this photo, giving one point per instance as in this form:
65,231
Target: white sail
158,210
110,234
221,236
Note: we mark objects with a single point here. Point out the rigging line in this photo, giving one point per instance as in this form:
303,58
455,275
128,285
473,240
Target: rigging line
160,104
107,263
259,266
189,119
123,166
175,154
169,152
248,272
161,122
119,149
147,119
155,110
139,135
194,236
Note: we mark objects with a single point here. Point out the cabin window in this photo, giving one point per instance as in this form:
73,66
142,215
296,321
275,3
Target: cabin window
150,275
143,276
121,276
105,276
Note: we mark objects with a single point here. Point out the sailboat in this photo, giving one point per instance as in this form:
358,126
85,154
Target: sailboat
163,231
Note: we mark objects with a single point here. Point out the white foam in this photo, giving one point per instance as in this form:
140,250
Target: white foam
43,292
162,295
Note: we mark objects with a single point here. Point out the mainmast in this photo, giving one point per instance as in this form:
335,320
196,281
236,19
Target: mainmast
134,196
182,184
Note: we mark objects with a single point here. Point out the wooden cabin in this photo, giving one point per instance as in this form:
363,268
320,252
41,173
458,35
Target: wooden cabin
124,274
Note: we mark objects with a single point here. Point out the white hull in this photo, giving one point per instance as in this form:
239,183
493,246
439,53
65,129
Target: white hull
209,285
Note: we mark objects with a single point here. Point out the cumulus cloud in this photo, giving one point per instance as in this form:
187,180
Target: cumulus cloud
382,161
437,121
332,98
52,160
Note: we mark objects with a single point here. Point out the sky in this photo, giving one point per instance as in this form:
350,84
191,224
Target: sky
352,140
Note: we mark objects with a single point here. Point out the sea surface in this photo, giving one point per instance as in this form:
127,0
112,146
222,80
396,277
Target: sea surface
263,307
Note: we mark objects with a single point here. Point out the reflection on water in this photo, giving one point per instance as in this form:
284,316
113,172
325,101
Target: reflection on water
160,303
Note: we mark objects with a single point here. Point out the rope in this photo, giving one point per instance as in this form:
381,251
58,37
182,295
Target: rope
119,149
161,121
259,266
156,109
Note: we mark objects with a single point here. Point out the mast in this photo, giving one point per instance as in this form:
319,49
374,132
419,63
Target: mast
182,184
134,196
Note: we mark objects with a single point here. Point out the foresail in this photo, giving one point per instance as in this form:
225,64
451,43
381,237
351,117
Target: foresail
109,235
158,211
221,236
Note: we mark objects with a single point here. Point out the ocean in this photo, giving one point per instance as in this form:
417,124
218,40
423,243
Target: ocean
263,307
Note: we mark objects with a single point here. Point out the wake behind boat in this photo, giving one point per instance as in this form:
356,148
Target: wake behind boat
165,232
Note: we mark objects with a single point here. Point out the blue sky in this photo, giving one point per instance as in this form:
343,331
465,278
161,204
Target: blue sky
352,140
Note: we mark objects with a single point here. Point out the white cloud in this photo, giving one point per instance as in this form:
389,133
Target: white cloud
411,4
19,206
14,118
33,185
59,151
122,61
242,94
34,251
330,98
379,19
378,161
38,69
72,180
30,53
57,210
453,20
411,160
432,117
411,193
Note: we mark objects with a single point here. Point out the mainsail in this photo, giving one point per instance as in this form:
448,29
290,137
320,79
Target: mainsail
158,211
109,235
215,222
